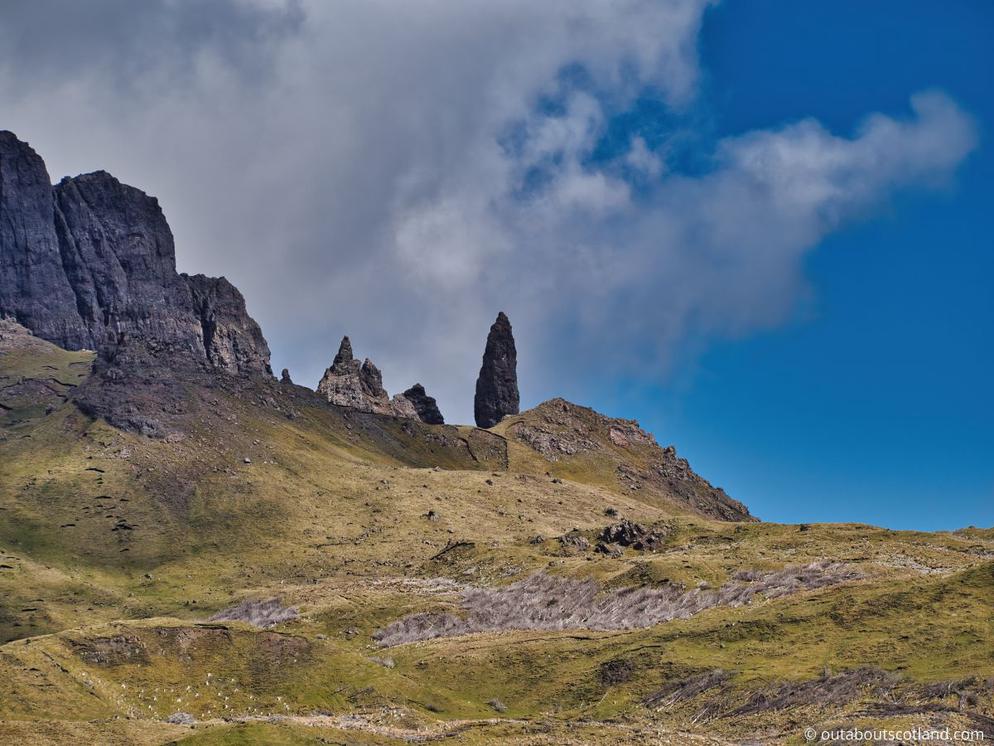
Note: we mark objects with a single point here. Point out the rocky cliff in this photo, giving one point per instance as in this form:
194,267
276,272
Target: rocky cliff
91,264
497,384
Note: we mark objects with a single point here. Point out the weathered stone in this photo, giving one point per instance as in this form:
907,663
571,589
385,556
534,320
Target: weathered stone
497,385
425,406
91,264
341,384
629,534
34,288
233,342
285,376
401,406
371,381
348,384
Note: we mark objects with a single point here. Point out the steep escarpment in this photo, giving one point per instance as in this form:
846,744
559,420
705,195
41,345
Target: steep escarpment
91,264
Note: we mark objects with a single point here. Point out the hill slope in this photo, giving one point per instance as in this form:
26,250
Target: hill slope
560,579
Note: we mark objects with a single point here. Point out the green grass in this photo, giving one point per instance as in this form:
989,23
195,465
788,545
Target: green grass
330,515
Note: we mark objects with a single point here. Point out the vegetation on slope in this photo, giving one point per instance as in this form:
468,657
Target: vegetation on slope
116,549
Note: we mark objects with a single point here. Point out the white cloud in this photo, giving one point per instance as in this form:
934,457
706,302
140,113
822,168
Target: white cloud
401,171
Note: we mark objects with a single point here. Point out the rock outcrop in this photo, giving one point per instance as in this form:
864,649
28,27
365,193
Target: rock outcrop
497,384
344,384
347,383
575,437
91,264
425,406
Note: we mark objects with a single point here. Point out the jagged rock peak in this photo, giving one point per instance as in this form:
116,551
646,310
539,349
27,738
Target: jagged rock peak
344,357
91,264
347,383
424,405
497,385
232,340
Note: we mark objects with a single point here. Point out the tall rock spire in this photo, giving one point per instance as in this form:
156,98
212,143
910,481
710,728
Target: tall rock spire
497,385
344,357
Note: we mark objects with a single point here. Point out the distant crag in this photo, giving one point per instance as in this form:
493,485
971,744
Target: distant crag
424,405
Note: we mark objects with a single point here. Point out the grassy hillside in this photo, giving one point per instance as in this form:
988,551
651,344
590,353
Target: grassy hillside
516,618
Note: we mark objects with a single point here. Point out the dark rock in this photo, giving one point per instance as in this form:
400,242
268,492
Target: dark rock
34,288
617,671
343,359
574,541
233,342
629,534
497,385
371,380
285,376
91,264
424,405
611,550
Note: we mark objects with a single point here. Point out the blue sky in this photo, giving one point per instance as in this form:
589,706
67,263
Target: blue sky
761,228
874,402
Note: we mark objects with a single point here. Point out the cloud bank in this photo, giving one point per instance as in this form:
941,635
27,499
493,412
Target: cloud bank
401,171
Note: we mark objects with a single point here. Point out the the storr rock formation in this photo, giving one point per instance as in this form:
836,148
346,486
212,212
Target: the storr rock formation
497,385
347,383
90,264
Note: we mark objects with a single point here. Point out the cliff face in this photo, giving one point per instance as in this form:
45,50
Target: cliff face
232,340
34,287
91,264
